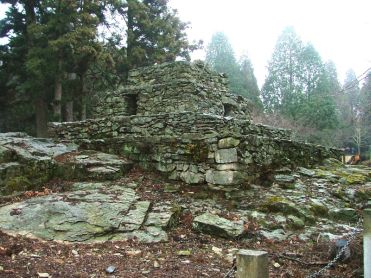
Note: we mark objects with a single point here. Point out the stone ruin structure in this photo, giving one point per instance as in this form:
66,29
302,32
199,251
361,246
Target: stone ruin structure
180,119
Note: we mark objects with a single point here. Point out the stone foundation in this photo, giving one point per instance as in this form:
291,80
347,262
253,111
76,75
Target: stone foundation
180,119
225,163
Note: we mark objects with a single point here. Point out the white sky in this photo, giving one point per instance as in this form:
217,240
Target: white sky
340,30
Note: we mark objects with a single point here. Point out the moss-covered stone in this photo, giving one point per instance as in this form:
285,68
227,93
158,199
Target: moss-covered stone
16,184
228,142
318,208
295,223
344,214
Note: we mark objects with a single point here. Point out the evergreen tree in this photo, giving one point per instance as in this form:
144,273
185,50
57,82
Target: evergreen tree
298,85
249,83
365,116
54,55
220,56
283,87
155,34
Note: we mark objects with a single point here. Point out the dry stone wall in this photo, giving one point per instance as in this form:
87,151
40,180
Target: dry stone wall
225,163
180,119
173,88
172,124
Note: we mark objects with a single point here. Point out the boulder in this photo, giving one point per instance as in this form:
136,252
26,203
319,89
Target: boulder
215,225
93,213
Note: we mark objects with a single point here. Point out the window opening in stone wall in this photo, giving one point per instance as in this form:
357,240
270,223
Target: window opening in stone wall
132,102
227,110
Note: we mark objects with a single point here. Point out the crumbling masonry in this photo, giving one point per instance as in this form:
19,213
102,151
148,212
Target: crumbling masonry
180,119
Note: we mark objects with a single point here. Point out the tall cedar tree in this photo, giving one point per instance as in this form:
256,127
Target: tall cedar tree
298,85
54,45
155,34
220,56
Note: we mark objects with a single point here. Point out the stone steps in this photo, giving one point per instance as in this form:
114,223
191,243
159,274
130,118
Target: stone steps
92,165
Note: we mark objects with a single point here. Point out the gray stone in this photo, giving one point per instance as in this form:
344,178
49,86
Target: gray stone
192,178
284,180
223,177
212,224
103,213
306,172
228,142
229,166
164,216
295,222
226,155
275,235
343,214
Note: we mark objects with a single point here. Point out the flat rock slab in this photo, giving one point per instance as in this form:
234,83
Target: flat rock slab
27,162
87,215
213,224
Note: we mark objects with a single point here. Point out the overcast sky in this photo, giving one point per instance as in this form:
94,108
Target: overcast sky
340,30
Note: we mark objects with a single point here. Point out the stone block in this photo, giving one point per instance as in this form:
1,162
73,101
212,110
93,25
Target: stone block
223,177
252,264
228,142
212,224
192,178
226,155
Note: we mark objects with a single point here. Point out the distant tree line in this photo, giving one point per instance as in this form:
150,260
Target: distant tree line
301,92
60,53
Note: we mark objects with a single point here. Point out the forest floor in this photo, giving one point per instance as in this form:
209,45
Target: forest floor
202,256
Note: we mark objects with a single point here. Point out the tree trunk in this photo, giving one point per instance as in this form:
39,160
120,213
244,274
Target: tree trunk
69,111
41,118
57,104
83,95
129,39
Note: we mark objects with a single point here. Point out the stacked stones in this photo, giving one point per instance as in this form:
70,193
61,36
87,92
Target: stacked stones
174,124
187,125
173,88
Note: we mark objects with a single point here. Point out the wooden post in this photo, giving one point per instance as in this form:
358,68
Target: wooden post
367,242
252,264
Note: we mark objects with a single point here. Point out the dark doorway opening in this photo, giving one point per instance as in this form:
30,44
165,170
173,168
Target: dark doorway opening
132,104
228,108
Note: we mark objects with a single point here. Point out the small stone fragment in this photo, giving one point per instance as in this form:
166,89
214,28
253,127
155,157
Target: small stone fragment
111,269
133,252
184,252
156,264
43,275
217,250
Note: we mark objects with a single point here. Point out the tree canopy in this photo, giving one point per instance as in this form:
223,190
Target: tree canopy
54,53
220,56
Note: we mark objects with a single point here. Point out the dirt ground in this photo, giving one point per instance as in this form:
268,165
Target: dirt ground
204,256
